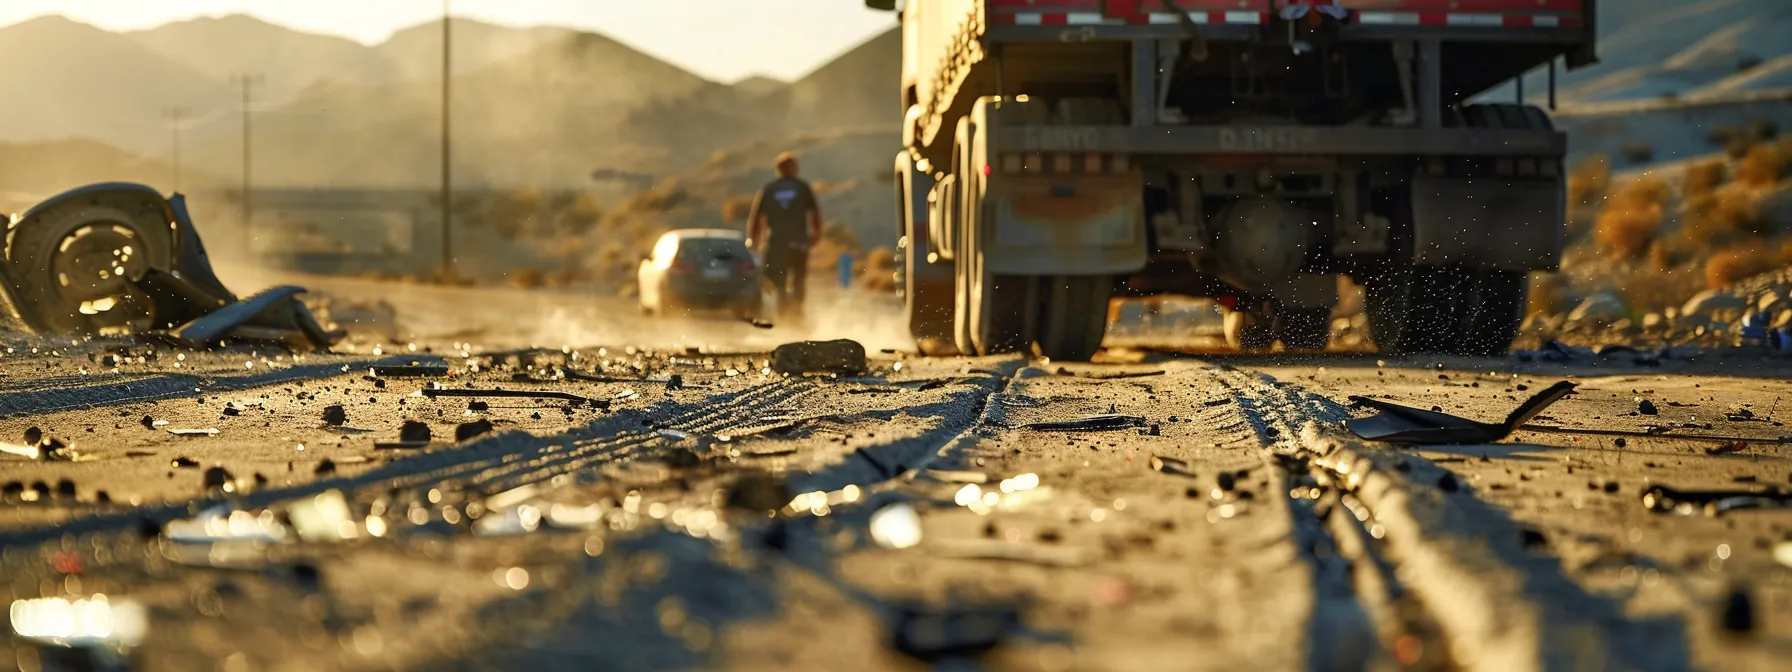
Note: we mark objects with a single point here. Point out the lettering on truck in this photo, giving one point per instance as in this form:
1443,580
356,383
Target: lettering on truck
1267,139
1047,138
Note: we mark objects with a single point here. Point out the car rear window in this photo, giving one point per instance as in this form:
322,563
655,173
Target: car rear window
711,248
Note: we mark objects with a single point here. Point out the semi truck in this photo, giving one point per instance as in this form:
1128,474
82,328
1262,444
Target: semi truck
1058,154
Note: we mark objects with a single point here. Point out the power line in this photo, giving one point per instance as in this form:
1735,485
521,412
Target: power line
175,116
247,82
447,147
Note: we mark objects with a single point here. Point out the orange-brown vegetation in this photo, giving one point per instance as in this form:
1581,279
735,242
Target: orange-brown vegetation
1547,295
1630,219
1589,180
736,208
1738,262
1704,177
878,272
1762,166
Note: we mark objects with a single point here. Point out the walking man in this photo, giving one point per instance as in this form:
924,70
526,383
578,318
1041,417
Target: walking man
784,222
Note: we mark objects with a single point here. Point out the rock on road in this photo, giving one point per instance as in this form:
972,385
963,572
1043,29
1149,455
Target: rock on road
737,518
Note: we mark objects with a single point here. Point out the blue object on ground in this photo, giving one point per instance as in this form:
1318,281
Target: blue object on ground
846,271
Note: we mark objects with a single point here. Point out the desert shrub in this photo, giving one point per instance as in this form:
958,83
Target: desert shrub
1723,134
1761,166
1716,218
1704,177
1763,129
736,209
1631,218
840,235
1639,151
1737,262
1672,252
528,277
1589,180
1737,148
1547,296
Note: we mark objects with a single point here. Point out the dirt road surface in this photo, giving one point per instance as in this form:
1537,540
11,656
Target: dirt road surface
683,507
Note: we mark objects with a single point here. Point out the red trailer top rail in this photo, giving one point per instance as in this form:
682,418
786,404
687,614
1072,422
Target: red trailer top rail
1456,13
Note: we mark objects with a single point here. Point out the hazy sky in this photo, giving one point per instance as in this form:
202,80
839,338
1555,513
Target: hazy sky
719,39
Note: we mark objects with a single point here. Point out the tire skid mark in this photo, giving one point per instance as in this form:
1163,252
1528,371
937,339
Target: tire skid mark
56,398
1344,628
416,471
1497,605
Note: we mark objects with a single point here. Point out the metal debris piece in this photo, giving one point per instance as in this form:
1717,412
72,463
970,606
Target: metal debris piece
842,357
1171,465
896,526
411,371
220,480
208,431
470,430
1714,502
950,476
82,634
758,492
998,549
1091,423
40,446
517,394
1110,375
1405,424
935,634
1655,431
1727,447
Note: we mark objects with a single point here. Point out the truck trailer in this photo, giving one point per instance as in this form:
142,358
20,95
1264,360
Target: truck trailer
1060,153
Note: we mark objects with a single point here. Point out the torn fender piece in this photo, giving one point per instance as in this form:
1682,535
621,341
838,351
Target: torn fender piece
1405,424
206,330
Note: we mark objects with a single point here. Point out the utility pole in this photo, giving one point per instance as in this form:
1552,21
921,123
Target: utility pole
447,147
247,82
176,117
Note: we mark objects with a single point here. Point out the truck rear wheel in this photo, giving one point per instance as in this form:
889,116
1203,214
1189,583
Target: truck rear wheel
1075,316
1456,311
1412,309
1495,314
1301,329
927,286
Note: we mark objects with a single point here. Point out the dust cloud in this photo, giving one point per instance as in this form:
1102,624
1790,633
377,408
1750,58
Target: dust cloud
498,317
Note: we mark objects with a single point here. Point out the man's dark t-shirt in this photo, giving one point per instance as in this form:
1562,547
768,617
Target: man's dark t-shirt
786,203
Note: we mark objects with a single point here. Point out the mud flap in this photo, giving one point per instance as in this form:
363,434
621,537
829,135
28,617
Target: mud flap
1511,226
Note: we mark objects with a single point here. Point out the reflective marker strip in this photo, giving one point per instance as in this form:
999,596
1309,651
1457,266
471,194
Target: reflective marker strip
1097,19
1455,19
1461,19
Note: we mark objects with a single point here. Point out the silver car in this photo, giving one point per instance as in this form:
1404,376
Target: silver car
700,270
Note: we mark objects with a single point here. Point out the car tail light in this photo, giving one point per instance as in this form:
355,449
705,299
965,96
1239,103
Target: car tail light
745,266
682,266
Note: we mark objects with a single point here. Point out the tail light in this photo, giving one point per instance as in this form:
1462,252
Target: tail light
1058,164
745,266
682,266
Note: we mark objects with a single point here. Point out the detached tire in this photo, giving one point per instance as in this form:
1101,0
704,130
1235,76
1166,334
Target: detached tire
1075,316
77,250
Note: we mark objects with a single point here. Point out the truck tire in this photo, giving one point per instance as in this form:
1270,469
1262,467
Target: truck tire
1304,329
71,248
1495,313
1247,331
1074,317
1414,309
927,286
1299,329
